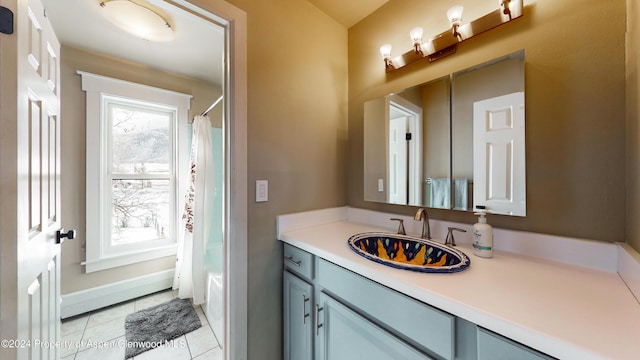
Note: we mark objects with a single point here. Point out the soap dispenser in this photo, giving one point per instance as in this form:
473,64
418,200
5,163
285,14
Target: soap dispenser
482,235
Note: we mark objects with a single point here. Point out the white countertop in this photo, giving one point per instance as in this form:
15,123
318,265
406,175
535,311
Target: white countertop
566,311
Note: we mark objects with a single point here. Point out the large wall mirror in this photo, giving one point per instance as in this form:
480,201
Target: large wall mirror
456,142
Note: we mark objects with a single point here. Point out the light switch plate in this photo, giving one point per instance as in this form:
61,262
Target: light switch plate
262,190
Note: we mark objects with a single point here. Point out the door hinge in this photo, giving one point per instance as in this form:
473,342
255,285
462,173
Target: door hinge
408,136
6,20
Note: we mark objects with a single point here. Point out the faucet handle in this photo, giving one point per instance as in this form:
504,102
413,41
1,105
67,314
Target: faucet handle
400,226
450,240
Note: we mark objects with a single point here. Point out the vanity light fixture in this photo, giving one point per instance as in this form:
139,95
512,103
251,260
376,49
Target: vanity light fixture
454,15
138,18
445,43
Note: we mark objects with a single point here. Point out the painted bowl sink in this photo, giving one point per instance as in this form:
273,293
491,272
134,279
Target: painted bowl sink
409,253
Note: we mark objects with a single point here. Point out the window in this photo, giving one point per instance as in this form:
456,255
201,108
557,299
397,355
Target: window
135,173
141,172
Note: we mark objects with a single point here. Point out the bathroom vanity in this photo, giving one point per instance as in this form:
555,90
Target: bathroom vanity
333,313
338,305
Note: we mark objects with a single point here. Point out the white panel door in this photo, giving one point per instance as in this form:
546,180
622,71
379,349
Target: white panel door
401,108
398,160
499,154
30,199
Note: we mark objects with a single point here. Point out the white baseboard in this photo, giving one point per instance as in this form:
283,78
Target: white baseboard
98,297
629,268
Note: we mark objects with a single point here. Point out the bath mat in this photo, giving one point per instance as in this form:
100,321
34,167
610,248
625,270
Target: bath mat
158,325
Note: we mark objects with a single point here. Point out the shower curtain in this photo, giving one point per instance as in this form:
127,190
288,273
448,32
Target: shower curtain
189,278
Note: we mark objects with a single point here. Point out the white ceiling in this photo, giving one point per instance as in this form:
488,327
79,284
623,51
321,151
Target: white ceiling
196,50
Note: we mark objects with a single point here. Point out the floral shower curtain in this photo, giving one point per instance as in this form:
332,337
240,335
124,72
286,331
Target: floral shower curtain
189,278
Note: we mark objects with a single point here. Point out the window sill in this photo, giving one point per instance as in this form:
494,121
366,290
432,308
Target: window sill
92,265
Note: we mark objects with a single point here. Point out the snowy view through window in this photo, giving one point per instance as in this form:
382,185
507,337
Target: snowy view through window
141,171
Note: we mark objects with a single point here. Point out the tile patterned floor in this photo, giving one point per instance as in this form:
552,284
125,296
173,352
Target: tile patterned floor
100,335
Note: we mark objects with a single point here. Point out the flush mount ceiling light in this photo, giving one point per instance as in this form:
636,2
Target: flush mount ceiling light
445,43
138,18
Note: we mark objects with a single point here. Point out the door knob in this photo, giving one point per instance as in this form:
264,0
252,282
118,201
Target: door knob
60,235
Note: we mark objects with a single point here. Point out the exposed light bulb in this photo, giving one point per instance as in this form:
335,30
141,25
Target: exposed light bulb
454,14
416,39
416,35
385,51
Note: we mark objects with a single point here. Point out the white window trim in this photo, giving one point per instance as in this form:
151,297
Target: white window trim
95,87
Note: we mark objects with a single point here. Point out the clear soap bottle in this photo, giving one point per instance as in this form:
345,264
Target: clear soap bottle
482,236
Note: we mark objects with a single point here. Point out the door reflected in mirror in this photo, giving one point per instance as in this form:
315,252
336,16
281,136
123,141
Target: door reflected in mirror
452,143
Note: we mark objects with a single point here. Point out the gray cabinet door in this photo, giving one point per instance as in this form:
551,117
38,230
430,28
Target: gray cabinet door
298,327
342,334
430,330
495,347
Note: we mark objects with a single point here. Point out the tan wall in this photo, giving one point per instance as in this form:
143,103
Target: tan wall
633,124
297,139
575,104
375,166
72,181
436,130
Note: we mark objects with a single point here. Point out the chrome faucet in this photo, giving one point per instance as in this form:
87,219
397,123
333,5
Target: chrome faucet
422,214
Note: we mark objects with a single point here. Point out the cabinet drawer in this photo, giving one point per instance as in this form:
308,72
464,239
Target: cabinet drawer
495,347
298,261
427,328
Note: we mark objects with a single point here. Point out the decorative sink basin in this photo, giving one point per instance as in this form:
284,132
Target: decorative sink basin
408,252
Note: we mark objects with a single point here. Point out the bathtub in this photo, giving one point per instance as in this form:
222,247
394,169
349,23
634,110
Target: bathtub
213,307
214,250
